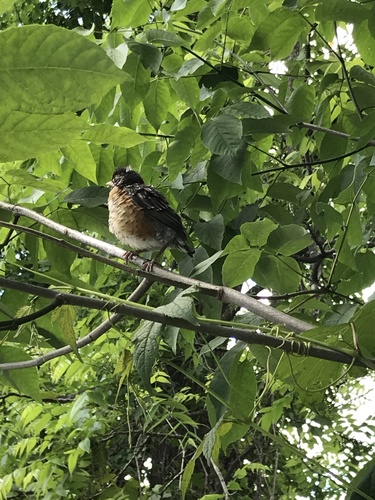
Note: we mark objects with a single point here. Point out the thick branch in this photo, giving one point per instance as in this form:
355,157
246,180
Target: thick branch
119,310
87,339
159,274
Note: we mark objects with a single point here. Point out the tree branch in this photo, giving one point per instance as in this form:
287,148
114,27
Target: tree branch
13,324
297,346
337,133
159,274
87,339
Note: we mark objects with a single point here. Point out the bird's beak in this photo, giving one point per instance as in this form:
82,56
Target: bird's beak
110,184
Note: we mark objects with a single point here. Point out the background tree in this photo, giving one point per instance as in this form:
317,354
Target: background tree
255,119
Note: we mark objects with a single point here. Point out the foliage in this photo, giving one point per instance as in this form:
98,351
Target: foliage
255,119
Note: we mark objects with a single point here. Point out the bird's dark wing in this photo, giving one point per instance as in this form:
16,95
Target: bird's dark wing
156,206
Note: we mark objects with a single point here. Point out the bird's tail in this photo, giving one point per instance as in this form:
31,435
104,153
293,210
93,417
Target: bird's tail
182,245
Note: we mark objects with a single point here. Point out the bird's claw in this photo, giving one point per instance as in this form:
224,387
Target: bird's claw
128,255
148,266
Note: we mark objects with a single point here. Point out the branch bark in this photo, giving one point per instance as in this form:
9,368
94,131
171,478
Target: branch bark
295,346
159,274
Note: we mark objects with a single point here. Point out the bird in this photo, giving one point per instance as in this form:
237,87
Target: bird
141,218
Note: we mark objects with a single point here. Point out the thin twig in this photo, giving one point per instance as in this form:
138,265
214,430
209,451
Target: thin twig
287,166
13,324
221,479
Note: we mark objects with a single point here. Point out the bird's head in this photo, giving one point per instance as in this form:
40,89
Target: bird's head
125,176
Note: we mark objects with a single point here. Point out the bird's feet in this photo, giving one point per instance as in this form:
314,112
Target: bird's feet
128,255
148,266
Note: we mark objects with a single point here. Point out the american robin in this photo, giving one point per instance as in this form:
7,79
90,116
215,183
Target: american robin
141,218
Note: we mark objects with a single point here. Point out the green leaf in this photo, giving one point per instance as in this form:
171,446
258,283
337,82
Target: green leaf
221,191
157,103
230,167
331,217
79,155
288,240
365,42
222,135
220,384
363,481
149,55
181,307
236,244
301,103
240,29
360,74
187,90
257,232
363,322
281,274
243,389
130,13
135,89
205,264
24,380
109,134
92,196
229,432
285,191
80,403
286,34
164,37
68,74
342,10
211,233
239,266
6,5
25,135
188,471
146,350
65,315
180,149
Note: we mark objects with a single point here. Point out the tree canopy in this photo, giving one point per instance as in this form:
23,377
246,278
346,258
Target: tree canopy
256,121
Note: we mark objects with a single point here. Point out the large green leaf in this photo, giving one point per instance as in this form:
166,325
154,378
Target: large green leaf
281,274
302,102
51,70
342,10
243,389
222,135
26,135
149,55
135,89
126,13
163,37
288,240
24,380
92,196
239,266
365,42
257,232
157,102
221,384
108,134
79,155
211,232
146,350
6,5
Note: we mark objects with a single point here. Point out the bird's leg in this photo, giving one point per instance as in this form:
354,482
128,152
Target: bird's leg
148,266
129,254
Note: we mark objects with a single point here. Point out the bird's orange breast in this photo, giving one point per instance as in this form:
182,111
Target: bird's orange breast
129,223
